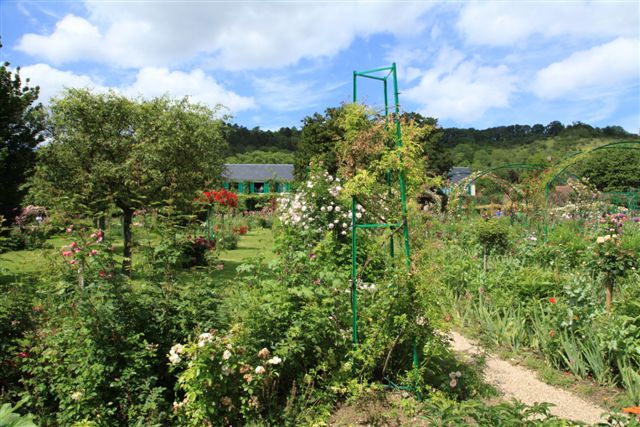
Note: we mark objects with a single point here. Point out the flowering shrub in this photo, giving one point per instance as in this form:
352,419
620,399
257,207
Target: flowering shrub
316,209
32,227
195,250
222,198
92,356
611,259
224,382
88,255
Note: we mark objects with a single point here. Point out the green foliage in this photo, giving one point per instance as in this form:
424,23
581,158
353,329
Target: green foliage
290,310
19,313
262,156
243,140
546,296
224,382
493,235
10,418
227,239
108,149
21,130
612,170
317,143
484,148
446,412
91,360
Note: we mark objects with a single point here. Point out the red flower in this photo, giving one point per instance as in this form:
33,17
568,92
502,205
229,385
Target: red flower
102,274
552,300
552,333
222,197
23,355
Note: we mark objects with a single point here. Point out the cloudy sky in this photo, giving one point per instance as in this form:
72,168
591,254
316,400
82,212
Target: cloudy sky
470,64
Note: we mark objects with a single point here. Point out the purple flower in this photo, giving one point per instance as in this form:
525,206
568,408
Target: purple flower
636,219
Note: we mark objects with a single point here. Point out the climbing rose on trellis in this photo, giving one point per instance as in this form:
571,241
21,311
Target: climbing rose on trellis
221,197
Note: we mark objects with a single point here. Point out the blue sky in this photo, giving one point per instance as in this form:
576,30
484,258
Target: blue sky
470,64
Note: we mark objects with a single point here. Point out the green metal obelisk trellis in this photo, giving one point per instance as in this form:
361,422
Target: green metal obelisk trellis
375,74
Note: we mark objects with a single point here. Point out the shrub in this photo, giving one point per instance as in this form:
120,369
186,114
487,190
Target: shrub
92,360
194,251
227,239
493,236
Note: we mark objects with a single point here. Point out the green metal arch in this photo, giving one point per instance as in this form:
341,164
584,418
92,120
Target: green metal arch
457,192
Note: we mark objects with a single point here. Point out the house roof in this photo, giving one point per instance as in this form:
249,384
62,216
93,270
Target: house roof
252,172
458,173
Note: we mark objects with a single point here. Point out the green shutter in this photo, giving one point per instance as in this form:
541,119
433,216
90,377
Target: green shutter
226,185
287,187
241,187
252,188
266,187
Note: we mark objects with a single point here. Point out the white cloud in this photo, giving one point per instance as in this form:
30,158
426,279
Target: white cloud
233,35
149,83
602,69
198,86
460,89
52,80
73,38
505,23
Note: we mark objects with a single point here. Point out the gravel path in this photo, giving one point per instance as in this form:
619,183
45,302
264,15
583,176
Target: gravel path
522,384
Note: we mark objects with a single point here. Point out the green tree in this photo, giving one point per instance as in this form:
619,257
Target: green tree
262,157
439,160
21,130
612,170
107,148
318,139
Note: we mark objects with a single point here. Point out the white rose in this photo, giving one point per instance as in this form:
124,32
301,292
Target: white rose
226,355
260,370
275,360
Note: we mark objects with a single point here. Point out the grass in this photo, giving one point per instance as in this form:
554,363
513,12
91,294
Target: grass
256,244
27,264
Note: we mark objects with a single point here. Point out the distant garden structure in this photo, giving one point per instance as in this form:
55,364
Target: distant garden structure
457,174
258,178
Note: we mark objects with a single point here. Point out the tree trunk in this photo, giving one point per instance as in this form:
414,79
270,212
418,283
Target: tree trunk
608,292
81,274
101,222
127,218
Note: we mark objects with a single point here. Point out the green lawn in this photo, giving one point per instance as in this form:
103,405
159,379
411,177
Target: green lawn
255,244
29,263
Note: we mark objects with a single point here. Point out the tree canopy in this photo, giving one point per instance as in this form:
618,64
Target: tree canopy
320,132
612,170
107,149
21,130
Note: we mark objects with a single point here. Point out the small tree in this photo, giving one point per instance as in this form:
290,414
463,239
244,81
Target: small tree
612,259
108,149
493,236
